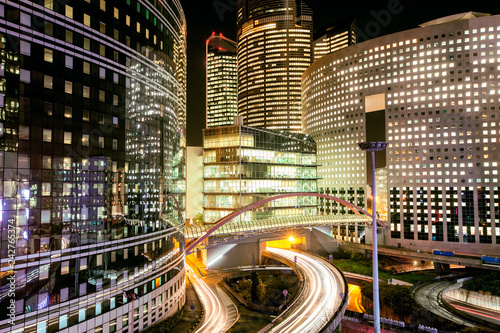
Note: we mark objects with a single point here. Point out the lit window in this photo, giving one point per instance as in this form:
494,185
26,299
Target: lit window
49,4
127,20
69,11
86,20
85,140
47,135
67,138
48,55
116,13
102,96
68,112
86,92
102,5
68,87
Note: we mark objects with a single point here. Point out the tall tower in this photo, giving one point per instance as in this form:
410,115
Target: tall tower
222,81
334,37
274,49
91,164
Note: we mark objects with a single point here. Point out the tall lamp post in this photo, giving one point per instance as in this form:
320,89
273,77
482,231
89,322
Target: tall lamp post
373,147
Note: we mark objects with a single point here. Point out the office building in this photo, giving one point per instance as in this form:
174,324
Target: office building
222,81
274,49
334,37
434,94
242,165
92,97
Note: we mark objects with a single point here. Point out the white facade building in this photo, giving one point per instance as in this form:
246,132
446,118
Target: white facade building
436,90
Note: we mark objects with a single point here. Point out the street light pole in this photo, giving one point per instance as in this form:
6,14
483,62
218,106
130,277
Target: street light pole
373,147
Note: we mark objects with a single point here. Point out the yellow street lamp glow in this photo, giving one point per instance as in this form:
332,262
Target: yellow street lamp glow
291,239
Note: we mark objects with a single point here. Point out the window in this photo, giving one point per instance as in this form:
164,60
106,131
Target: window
64,267
102,5
25,76
102,28
86,43
101,142
138,28
85,140
86,20
48,55
69,11
86,67
47,135
49,4
115,144
116,13
25,19
45,189
102,72
68,61
102,96
68,87
127,20
47,82
63,320
115,100
47,162
24,132
25,48
67,138
68,112
69,36
86,115
49,29
86,92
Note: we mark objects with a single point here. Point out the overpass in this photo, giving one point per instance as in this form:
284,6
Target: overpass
209,235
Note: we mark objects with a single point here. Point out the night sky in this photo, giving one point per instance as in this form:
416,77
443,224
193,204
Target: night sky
219,16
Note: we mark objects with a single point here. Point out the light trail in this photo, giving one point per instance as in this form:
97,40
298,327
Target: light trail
214,319
321,298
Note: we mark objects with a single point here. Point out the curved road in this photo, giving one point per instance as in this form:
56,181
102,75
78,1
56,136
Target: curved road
427,296
320,298
220,312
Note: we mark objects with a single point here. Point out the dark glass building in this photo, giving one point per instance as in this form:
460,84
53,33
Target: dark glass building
92,123
274,49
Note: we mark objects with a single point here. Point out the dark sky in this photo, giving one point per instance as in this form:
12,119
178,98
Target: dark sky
207,16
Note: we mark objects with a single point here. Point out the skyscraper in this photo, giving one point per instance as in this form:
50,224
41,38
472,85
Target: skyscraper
274,49
433,94
92,97
222,81
334,37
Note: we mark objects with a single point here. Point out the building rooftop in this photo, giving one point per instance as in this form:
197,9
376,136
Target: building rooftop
455,17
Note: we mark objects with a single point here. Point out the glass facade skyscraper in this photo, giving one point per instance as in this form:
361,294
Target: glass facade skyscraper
222,81
242,165
92,98
274,49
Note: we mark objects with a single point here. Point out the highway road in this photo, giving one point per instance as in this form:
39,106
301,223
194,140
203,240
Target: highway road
321,295
220,312
427,296
475,311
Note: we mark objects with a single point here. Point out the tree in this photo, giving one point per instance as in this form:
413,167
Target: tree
198,219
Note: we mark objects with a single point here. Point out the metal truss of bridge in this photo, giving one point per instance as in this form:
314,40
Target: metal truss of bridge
238,230
223,231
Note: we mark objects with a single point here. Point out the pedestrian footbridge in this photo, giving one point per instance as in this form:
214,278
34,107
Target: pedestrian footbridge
227,229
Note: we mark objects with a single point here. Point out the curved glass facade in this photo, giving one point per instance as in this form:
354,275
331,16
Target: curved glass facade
274,49
92,146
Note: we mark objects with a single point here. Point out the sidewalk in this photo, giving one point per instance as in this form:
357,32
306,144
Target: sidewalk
187,323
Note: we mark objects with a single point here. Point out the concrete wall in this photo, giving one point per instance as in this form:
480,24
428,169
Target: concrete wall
244,253
319,241
194,182
474,298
